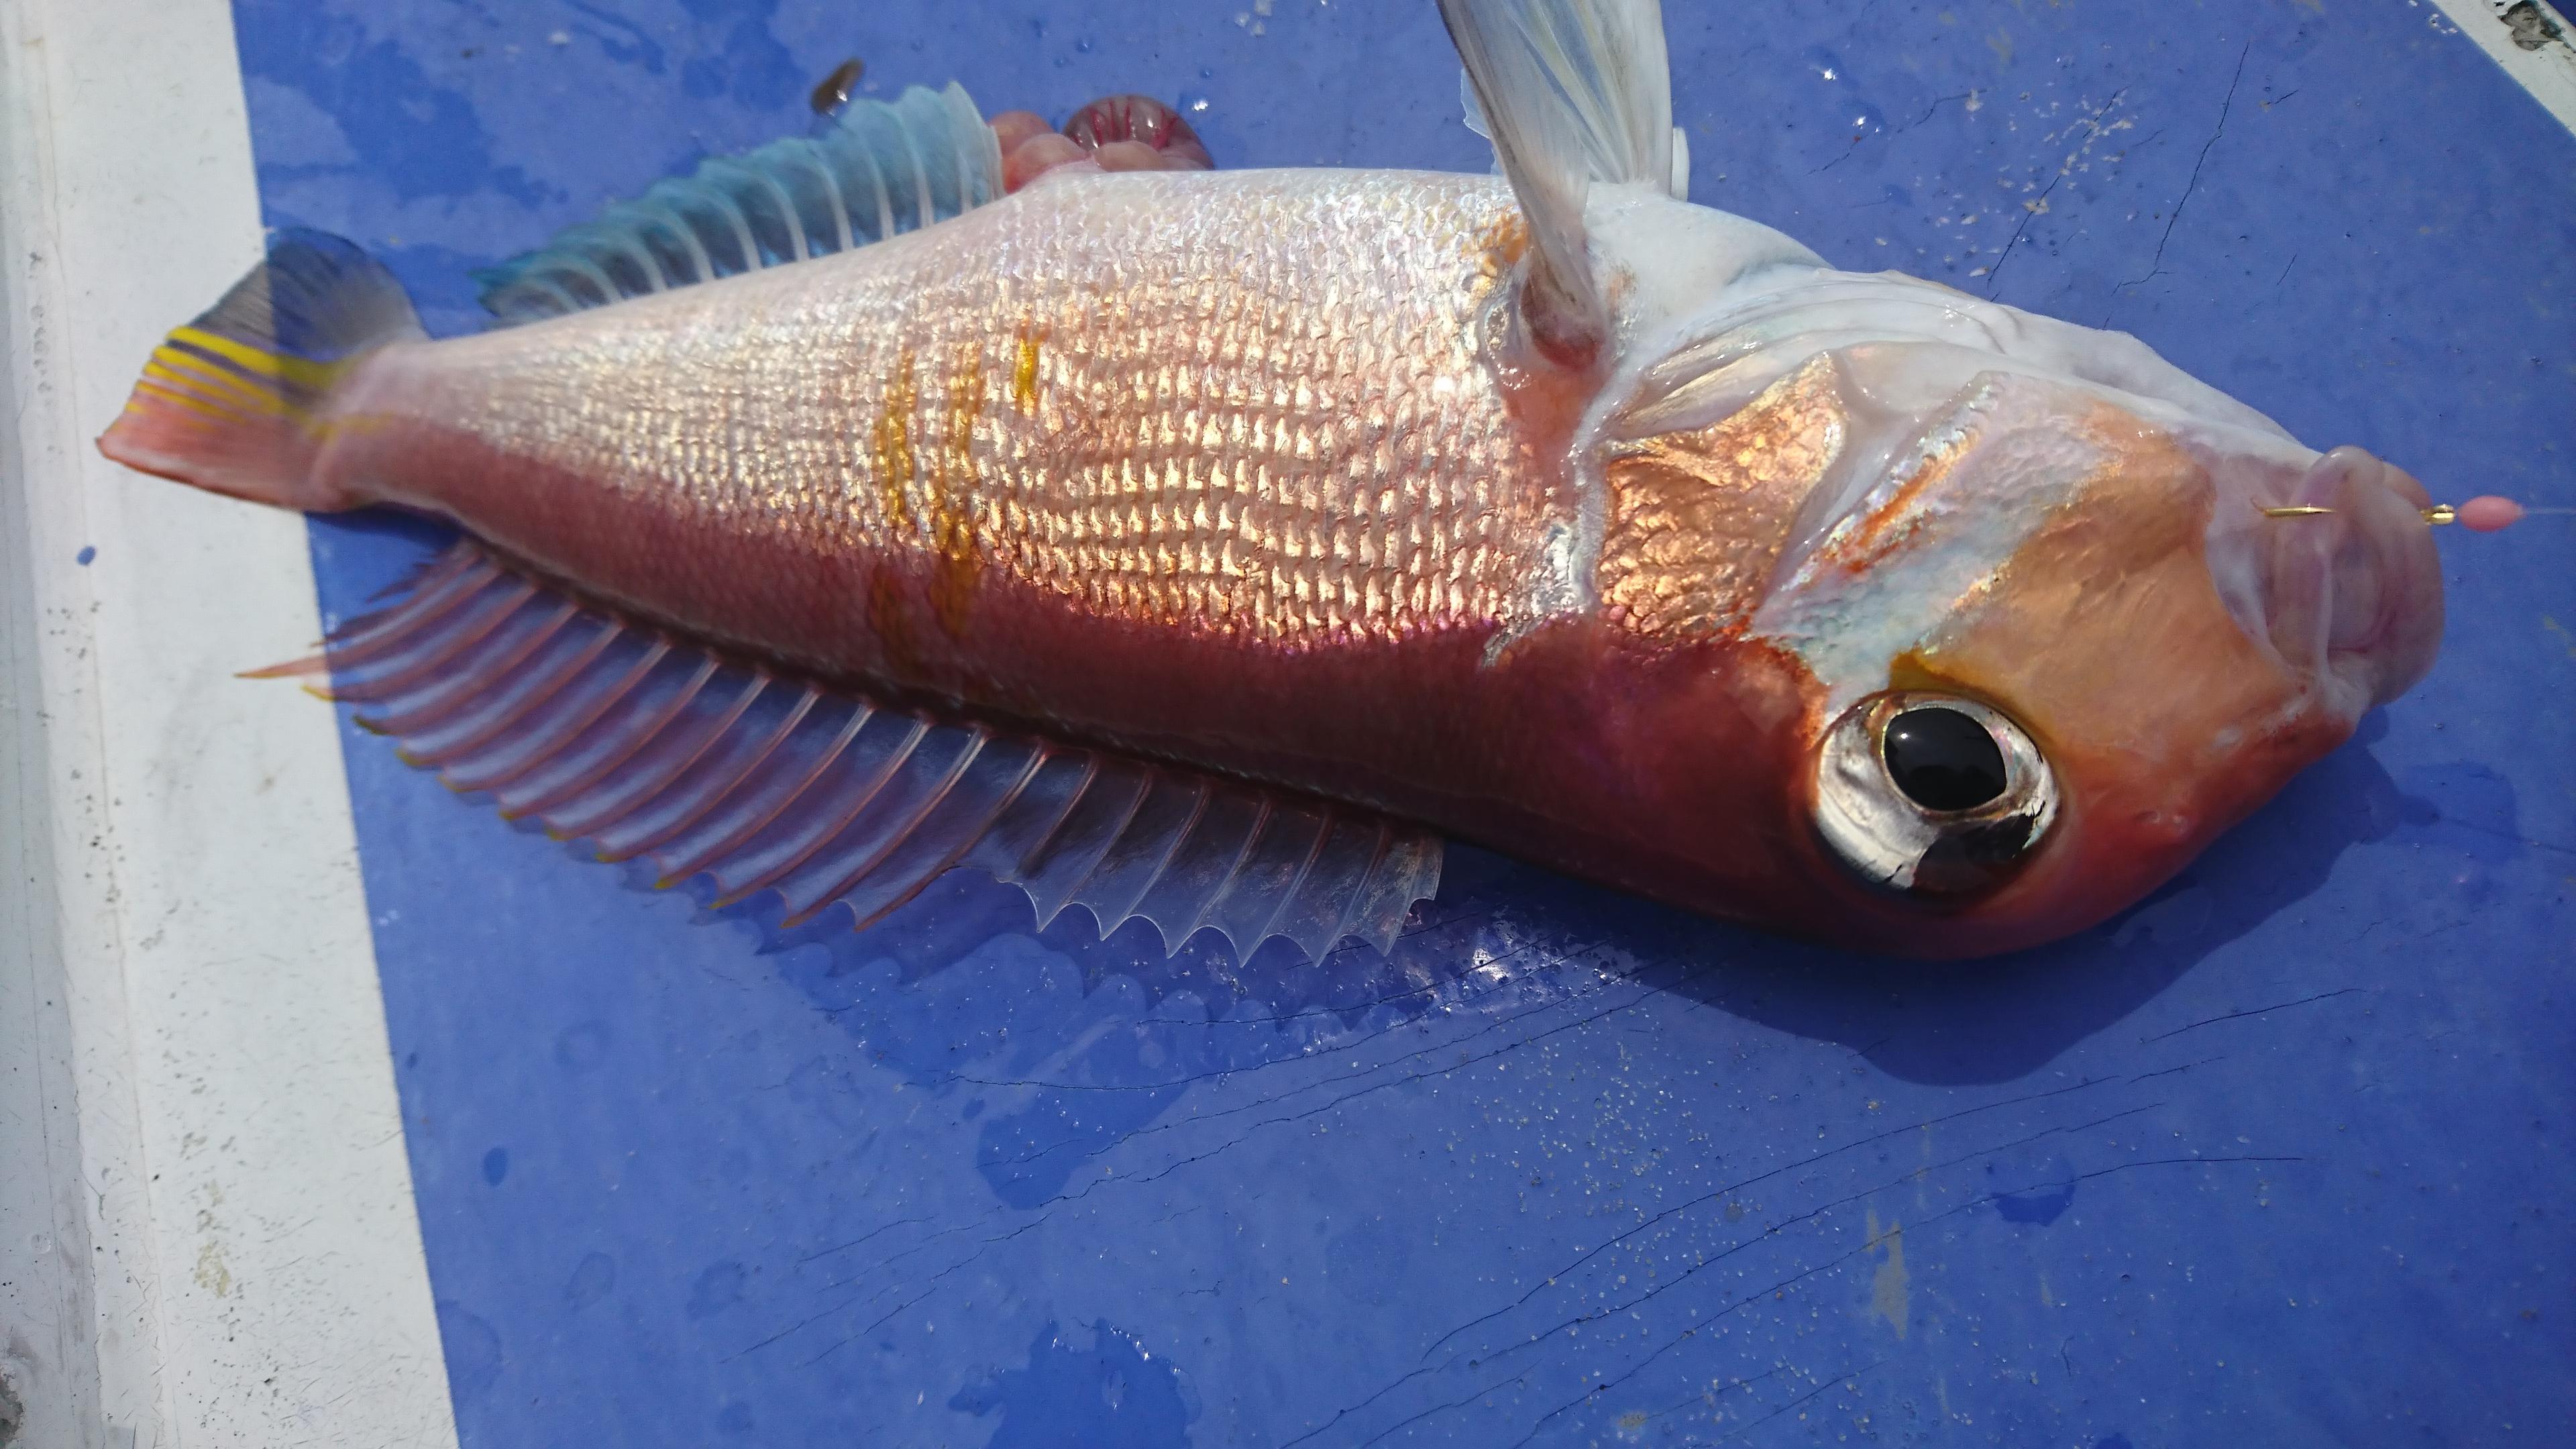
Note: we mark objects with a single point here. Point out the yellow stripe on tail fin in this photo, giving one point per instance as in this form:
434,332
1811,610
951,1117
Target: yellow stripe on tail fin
227,402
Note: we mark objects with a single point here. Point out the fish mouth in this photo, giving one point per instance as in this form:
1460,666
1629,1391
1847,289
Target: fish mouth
2339,573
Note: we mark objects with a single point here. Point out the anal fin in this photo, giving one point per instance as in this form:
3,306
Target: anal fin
655,748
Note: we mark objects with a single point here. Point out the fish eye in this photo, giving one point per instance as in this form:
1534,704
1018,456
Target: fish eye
1930,795
1942,758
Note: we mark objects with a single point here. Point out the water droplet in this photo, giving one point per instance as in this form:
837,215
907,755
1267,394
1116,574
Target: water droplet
1193,103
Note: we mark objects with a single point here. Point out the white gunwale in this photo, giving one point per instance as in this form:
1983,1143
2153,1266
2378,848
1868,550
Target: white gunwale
207,1231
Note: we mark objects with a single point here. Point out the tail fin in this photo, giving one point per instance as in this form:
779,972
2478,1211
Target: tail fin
227,402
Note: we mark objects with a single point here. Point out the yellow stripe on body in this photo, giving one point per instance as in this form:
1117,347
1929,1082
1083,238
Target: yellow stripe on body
1024,368
892,440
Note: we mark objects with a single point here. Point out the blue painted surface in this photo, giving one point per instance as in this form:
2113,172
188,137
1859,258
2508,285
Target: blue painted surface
2279,1157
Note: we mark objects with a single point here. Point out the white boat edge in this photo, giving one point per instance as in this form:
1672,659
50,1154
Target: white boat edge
207,1229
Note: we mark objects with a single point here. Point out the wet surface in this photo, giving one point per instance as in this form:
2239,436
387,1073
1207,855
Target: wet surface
2279,1156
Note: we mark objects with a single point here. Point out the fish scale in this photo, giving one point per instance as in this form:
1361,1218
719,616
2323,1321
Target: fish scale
1194,431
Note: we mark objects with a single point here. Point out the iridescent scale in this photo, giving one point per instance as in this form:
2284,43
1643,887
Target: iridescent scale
1249,405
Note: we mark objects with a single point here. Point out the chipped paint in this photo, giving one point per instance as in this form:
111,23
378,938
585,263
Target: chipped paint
2516,34
2533,25
1890,1288
2554,627
213,1274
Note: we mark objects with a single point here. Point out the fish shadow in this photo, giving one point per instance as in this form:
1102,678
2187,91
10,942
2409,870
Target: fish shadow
1052,1045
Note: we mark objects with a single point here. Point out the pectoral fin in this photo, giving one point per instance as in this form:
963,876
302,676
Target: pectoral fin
1571,92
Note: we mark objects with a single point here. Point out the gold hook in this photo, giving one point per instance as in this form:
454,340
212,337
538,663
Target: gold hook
2437,514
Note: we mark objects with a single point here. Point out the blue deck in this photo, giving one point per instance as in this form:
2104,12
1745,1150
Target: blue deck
2279,1157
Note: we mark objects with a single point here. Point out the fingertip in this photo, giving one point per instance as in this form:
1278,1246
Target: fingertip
1014,127
1127,156
1035,156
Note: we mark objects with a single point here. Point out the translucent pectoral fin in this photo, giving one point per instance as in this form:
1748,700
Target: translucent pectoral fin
878,170
1570,92
662,750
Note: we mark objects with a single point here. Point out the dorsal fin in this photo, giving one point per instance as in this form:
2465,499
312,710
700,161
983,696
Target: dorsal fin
1570,92
655,748
877,170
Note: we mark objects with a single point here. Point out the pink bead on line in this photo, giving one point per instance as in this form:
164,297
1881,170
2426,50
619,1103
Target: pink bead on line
2488,513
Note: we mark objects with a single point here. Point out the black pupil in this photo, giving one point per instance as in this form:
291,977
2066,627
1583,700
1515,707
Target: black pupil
1943,759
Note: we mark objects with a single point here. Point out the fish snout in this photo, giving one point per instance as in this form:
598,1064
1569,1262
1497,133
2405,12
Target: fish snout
2355,593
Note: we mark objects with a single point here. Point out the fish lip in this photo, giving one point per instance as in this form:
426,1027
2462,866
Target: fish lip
2351,596
2397,632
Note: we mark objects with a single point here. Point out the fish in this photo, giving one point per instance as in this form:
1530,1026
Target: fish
1212,546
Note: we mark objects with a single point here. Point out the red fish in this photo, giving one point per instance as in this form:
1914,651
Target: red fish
1206,546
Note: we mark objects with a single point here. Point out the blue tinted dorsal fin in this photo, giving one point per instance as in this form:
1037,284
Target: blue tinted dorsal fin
875,171
656,748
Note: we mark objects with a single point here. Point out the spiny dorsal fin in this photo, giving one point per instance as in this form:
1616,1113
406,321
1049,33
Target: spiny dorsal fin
654,748
1570,92
876,171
